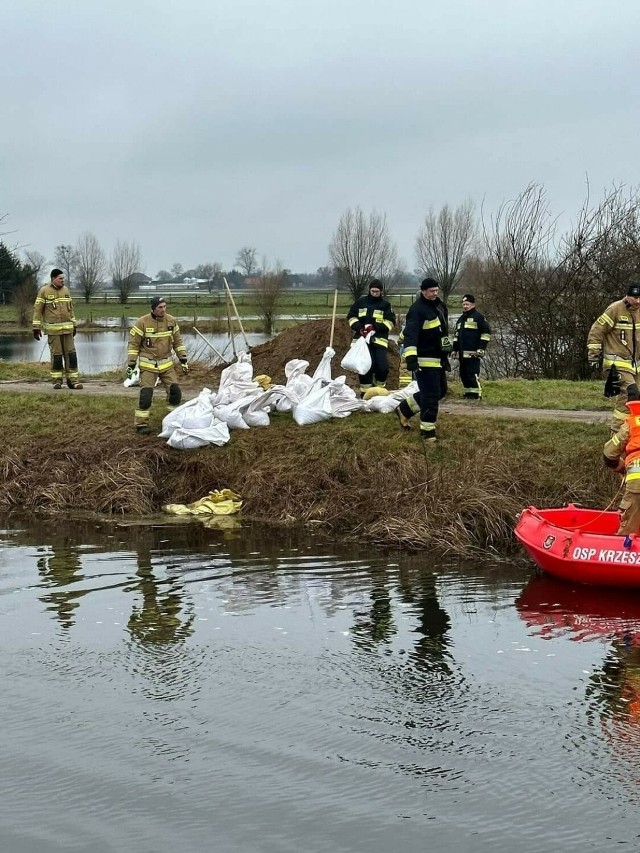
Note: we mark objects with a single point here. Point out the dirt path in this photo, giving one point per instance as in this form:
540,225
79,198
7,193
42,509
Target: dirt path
102,388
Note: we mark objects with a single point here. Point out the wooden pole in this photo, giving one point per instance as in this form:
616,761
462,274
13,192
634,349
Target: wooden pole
333,316
229,326
230,295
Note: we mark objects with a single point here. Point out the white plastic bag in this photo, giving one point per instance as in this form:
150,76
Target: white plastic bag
135,378
358,357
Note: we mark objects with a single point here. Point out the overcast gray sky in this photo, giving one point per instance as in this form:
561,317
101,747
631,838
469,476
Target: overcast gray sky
200,126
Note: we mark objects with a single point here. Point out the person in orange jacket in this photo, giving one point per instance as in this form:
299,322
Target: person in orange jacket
622,454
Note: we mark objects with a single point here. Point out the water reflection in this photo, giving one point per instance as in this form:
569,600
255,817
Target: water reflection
160,616
277,691
60,566
101,351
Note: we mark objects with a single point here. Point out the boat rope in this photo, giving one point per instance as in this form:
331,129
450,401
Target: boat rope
607,508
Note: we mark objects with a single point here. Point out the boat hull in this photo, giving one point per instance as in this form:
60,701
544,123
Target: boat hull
580,545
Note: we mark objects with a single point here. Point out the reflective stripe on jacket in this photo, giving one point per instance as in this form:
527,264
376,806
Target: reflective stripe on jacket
372,310
615,337
426,324
151,341
472,334
53,310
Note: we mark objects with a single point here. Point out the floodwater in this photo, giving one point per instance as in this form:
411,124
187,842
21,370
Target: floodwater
100,351
173,687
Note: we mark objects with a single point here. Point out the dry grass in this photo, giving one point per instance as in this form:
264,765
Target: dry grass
359,477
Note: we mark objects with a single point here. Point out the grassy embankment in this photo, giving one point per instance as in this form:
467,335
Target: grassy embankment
357,477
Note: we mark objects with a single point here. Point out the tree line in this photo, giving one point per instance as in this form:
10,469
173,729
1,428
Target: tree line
540,286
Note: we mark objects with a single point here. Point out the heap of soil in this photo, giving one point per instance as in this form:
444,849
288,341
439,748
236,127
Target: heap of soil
308,341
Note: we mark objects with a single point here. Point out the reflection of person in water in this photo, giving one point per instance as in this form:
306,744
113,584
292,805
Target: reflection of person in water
160,618
376,625
432,646
617,686
59,568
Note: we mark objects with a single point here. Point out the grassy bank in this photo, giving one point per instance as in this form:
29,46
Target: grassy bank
360,477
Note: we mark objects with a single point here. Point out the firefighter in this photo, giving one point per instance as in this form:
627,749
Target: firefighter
614,343
622,454
373,313
426,349
53,315
152,339
470,340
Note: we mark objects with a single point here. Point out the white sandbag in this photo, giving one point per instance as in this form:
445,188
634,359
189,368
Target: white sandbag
298,383
257,412
184,439
358,358
236,379
323,370
200,408
384,405
314,408
295,367
230,415
343,399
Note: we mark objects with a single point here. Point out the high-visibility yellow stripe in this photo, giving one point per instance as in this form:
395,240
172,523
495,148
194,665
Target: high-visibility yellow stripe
431,324
429,362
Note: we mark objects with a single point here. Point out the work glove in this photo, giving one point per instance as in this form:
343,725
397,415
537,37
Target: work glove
357,327
595,363
74,331
37,334
480,353
368,328
185,366
412,363
381,329
445,345
130,370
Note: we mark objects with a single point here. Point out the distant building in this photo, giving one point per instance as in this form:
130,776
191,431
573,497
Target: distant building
138,279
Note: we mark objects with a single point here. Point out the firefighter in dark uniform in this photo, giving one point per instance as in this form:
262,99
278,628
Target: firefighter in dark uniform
373,313
470,340
426,350
152,339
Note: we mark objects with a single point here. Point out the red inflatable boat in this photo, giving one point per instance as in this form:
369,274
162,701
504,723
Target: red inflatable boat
580,545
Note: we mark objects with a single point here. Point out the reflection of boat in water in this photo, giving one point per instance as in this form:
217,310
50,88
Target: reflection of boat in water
556,608
580,545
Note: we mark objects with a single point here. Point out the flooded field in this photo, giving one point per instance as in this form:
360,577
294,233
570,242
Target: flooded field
169,686
107,350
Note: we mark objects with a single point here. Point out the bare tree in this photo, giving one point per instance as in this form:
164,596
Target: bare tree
542,291
361,249
125,261
176,271
66,258
92,264
211,272
36,260
444,242
268,293
247,260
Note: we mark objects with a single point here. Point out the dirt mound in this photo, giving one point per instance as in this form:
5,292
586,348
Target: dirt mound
309,341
